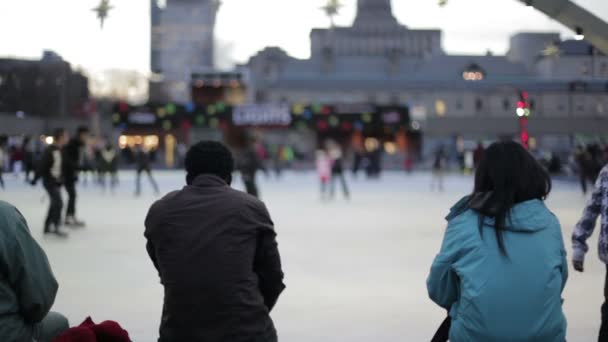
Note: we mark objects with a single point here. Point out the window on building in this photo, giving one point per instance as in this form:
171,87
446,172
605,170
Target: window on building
459,105
604,69
395,100
585,69
440,108
478,104
600,108
473,73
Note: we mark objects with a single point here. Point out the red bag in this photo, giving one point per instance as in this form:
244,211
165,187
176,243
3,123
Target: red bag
88,331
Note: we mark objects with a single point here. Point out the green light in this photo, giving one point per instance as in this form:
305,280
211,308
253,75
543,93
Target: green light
334,121
170,108
116,118
214,123
220,107
167,125
199,120
316,108
211,109
366,117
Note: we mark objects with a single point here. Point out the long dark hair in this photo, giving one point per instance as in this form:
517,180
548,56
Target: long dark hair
506,175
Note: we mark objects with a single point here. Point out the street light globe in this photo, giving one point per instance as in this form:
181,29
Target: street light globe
49,140
520,112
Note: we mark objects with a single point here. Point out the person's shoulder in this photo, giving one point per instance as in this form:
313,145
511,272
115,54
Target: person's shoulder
166,200
10,217
604,172
246,201
8,210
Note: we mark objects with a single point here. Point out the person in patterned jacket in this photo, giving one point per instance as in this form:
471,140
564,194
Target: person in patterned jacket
597,205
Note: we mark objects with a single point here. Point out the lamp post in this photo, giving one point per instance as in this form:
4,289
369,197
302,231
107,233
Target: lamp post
523,112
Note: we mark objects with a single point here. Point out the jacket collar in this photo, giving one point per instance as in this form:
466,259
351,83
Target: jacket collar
206,180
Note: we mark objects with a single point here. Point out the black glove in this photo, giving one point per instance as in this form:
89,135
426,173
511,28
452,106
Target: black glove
578,265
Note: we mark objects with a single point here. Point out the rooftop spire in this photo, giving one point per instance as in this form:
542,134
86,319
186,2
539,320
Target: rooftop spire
374,12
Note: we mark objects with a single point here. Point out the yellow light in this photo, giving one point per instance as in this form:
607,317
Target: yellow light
440,108
151,141
472,75
49,140
390,147
371,144
122,141
169,150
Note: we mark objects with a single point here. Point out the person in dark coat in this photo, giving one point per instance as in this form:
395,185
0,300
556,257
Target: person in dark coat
142,162
28,161
337,171
72,162
584,162
51,171
216,254
249,164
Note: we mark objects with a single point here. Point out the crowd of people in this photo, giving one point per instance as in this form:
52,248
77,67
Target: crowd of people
500,272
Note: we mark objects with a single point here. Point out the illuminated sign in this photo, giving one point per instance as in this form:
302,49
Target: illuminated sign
261,115
142,118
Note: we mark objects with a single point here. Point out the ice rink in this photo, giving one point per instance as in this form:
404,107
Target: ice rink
355,270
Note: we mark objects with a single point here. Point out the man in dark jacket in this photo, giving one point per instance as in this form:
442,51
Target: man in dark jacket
249,164
142,162
27,285
216,254
51,172
72,157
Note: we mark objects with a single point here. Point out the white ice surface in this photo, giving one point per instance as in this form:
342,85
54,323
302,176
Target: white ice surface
355,270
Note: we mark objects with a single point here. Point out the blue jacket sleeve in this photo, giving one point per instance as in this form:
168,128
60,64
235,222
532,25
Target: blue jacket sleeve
443,281
584,228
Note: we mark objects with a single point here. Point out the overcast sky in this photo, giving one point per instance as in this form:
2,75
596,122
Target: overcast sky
70,28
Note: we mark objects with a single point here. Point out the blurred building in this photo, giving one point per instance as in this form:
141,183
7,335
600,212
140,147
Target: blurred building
46,88
181,44
379,61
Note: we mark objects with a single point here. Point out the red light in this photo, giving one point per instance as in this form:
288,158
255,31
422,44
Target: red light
525,137
521,104
123,107
525,95
322,125
325,110
347,126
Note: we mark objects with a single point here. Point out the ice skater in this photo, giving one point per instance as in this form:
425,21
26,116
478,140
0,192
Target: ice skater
142,160
72,161
439,165
337,171
249,164
28,161
51,172
323,163
107,165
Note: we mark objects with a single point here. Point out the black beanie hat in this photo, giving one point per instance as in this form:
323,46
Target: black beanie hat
209,157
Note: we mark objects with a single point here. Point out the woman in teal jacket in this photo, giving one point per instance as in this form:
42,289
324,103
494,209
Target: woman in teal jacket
502,266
